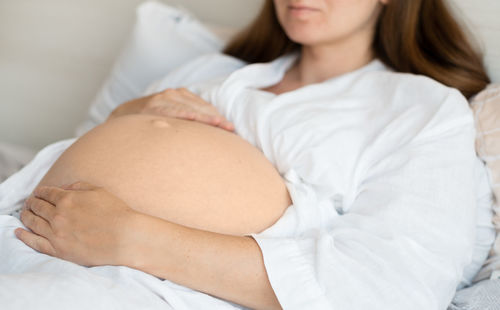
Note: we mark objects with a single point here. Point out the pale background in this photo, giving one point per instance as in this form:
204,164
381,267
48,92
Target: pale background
55,54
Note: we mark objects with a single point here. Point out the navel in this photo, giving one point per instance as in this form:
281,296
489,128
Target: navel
160,123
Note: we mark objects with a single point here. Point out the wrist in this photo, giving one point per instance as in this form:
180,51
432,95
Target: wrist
141,242
132,239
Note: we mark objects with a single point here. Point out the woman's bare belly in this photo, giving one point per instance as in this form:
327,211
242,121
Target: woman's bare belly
182,171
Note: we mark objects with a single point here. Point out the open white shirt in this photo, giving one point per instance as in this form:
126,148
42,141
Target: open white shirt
383,175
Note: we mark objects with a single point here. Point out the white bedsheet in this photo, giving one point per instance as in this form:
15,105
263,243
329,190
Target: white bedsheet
31,280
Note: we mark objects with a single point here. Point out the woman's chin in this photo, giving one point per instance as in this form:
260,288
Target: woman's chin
306,38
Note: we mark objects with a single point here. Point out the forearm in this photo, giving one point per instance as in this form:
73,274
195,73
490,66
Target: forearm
228,267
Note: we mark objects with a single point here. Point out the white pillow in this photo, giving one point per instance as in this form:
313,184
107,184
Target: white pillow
163,38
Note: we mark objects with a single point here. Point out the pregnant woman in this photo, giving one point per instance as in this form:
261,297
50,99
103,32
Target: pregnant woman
340,174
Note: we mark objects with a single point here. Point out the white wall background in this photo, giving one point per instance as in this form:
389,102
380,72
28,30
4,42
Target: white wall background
55,54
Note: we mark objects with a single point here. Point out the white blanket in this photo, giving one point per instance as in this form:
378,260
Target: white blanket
31,280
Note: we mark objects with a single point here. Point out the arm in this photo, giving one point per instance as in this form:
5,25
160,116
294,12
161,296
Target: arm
405,239
71,224
403,244
229,267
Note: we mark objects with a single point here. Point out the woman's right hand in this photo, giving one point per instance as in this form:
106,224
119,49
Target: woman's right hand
176,103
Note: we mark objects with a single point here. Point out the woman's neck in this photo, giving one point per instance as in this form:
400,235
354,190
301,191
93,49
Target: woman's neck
322,62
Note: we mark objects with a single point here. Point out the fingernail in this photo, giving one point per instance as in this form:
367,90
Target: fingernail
17,232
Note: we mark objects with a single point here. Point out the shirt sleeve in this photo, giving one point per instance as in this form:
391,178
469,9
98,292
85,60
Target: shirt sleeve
406,238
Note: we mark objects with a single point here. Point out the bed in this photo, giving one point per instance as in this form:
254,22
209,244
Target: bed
84,63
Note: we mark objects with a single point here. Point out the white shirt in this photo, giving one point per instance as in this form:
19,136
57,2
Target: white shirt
383,175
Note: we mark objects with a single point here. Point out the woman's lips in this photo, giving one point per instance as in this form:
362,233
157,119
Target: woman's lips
301,11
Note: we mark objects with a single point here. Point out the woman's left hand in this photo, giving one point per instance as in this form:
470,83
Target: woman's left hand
81,223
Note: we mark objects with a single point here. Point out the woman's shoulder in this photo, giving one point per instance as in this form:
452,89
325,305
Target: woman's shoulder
420,106
412,84
419,92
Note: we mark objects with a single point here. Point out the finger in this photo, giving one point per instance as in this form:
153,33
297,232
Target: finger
216,120
37,224
184,113
49,193
208,109
41,208
201,101
209,119
221,121
228,125
81,186
35,242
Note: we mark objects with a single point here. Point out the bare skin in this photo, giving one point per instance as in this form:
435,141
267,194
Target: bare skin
182,171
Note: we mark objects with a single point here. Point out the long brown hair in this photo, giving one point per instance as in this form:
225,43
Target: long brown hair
414,36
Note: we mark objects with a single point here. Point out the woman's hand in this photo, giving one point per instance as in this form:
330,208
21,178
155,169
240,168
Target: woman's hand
177,103
89,226
80,223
